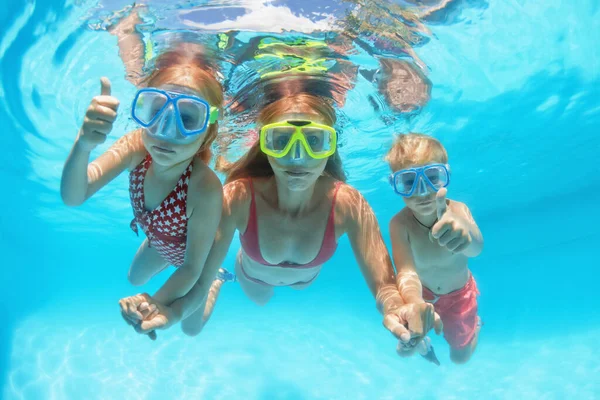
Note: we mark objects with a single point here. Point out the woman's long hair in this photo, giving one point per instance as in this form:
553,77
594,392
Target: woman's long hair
284,98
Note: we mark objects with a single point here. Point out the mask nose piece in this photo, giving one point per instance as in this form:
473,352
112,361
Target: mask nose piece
297,152
421,189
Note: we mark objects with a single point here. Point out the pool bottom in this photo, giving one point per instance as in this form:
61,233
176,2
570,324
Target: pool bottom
261,355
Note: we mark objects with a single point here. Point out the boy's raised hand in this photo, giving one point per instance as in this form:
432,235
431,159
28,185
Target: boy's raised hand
451,230
99,118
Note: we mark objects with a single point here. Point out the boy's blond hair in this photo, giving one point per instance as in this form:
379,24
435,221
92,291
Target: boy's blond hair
415,149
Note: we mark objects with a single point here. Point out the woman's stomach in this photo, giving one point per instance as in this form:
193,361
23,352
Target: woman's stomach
274,275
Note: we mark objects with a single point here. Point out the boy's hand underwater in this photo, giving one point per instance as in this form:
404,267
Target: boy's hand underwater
99,118
451,230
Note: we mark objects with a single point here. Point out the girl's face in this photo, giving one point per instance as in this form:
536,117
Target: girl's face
167,153
297,170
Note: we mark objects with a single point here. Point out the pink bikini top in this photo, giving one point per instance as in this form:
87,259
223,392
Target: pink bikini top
249,239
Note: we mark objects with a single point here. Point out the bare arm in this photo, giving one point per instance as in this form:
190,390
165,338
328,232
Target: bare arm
234,207
81,179
201,230
131,45
407,278
369,249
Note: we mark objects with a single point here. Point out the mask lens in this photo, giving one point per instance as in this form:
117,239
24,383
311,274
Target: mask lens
319,140
405,181
278,138
437,176
148,106
193,114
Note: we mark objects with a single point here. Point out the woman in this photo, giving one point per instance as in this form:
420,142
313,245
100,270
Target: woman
288,200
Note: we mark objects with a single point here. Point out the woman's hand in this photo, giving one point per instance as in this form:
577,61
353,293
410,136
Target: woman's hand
146,314
410,323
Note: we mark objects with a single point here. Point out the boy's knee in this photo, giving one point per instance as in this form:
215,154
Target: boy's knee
461,356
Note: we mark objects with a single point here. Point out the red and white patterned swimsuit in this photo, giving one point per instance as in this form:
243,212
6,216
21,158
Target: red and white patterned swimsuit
166,225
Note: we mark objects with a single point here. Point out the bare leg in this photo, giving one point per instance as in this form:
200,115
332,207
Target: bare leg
131,45
193,324
146,263
461,356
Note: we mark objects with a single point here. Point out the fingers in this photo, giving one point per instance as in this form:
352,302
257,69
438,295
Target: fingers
392,323
439,228
106,101
148,311
127,320
460,248
440,200
129,309
101,113
455,243
105,87
438,325
415,319
102,127
150,325
447,237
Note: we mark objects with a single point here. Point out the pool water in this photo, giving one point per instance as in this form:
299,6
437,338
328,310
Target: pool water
516,102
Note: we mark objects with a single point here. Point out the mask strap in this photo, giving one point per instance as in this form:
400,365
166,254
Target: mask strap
214,115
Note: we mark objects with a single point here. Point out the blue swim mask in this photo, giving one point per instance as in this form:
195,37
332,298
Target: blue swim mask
420,180
171,116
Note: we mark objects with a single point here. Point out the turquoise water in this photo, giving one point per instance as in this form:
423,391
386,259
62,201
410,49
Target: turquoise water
516,101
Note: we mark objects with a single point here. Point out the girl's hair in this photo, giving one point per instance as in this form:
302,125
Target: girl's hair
186,65
284,98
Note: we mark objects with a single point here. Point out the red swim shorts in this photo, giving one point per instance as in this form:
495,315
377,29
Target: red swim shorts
458,311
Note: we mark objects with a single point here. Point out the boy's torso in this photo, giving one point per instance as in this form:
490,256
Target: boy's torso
439,270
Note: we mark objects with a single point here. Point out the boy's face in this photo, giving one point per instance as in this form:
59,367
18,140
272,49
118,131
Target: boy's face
422,200
423,205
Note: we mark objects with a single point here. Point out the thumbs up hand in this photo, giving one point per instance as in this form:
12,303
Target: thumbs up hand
99,118
451,230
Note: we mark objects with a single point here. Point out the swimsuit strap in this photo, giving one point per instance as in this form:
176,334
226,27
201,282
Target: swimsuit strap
249,239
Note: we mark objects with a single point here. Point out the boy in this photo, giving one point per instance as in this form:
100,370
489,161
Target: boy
432,239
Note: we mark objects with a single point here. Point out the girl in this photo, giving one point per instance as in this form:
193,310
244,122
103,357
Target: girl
176,198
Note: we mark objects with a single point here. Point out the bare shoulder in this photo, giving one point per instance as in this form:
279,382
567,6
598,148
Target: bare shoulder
236,200
401,222
205,186
348,197
352,211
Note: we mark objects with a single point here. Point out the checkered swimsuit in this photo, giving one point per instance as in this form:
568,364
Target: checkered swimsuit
166,225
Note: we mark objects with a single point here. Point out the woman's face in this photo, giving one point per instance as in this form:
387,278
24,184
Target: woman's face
297,170
169,153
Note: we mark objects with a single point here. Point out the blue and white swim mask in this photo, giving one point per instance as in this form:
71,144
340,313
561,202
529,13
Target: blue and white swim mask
172,116
420,180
